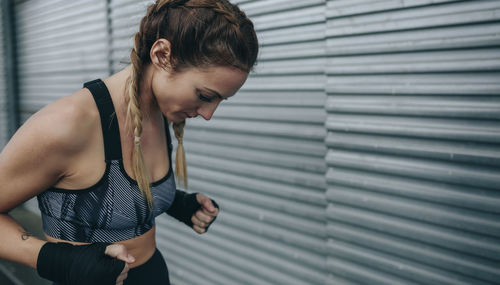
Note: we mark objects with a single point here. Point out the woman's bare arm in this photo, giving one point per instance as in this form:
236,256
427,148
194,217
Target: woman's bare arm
35,158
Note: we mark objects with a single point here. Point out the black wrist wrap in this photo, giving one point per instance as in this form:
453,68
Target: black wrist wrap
78,264
184,206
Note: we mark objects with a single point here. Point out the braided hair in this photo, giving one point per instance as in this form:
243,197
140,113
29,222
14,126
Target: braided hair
202,33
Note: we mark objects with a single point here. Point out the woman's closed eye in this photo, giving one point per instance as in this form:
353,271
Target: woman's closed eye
205,98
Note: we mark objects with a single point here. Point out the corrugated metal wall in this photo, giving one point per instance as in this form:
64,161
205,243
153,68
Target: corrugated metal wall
413,141
61,44
125,16
364,150
3,86
8,112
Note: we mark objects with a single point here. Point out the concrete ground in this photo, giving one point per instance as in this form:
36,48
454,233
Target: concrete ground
4,279
15,274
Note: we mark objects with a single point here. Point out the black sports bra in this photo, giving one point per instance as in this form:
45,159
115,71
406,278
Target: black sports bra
113,209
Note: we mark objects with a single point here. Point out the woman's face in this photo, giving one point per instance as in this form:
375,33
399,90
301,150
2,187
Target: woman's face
195,91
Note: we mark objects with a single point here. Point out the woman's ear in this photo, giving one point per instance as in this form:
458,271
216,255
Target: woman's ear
160,54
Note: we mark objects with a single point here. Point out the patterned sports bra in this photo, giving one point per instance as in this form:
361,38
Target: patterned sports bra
113,209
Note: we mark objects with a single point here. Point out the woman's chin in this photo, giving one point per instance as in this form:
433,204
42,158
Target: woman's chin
178,119
175,117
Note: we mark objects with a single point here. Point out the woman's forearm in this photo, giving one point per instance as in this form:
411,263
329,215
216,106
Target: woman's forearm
16,244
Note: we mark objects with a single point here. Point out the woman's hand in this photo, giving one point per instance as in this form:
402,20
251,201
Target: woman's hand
205,215
120,252
194,209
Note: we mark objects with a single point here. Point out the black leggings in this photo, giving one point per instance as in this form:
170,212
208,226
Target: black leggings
153,272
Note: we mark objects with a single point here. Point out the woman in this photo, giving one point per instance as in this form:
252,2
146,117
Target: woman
99,160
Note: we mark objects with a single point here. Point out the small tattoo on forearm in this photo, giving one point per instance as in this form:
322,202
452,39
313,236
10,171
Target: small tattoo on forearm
26,235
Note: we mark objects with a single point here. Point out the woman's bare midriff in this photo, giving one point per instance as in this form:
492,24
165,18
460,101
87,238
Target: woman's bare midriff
141,247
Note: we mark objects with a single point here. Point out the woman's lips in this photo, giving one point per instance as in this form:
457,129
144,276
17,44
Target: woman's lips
189,116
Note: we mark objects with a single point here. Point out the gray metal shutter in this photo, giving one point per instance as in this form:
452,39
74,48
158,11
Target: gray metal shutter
3,88
8,73
413,142
125,16
261,157
61,44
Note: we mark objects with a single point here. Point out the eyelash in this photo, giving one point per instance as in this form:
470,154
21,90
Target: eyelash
205,98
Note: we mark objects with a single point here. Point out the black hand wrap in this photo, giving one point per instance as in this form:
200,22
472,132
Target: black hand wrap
184,206
78,264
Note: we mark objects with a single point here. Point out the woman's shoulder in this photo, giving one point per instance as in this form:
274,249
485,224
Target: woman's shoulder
69,120
44,148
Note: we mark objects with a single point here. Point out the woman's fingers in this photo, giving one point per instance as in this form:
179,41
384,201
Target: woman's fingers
123,275
205,202
205,215
120,252
201,220
199,229
211,214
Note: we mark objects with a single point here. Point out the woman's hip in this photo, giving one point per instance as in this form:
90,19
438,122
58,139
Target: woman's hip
152,272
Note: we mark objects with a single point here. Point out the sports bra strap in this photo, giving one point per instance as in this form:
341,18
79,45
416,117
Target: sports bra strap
169,139
109,123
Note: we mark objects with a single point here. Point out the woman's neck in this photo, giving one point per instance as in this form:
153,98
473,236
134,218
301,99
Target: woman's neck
117,84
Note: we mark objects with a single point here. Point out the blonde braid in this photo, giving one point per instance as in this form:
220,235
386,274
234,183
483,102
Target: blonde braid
180,157
134,115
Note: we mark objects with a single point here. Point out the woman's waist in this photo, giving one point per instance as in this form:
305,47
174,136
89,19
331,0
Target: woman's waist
141,247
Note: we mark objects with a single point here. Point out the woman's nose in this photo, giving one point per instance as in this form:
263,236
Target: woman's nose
207,110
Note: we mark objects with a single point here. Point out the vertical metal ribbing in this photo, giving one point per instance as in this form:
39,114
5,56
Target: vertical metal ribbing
109,34
10,69
413,146
60,45
3,89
